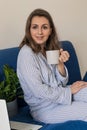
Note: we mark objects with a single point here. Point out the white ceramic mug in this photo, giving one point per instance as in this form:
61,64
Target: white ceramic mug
52,56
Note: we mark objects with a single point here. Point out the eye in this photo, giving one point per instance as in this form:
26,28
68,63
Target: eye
45,27
34,27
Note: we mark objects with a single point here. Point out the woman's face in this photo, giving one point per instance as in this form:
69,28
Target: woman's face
40,29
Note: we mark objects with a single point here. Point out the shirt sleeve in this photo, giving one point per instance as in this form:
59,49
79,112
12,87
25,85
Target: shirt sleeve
30,75
63,79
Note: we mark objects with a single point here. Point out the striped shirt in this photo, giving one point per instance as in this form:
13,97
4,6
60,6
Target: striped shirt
44,87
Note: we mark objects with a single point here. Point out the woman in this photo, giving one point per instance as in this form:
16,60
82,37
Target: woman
44,85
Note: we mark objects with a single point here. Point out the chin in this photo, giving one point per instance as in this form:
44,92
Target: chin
40,43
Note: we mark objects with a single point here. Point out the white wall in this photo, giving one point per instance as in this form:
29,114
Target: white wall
69,16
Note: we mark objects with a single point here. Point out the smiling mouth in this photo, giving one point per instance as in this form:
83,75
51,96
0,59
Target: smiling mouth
39,38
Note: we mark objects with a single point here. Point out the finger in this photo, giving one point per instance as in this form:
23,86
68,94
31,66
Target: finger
66,54
64,57
60,51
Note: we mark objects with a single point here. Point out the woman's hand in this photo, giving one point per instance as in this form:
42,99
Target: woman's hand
77,86
63,57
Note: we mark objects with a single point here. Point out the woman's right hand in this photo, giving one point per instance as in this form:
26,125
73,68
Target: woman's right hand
77,86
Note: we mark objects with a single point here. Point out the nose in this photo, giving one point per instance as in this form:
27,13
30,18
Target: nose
39,30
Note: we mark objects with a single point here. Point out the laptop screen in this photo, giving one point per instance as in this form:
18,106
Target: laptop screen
4,119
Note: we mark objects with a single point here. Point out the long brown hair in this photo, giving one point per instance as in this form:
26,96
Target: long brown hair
51,44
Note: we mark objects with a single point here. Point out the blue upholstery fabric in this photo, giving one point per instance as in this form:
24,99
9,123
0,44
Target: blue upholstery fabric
9,56
25,116
72,64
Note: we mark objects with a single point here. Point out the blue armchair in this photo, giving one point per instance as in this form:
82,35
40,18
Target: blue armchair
9,56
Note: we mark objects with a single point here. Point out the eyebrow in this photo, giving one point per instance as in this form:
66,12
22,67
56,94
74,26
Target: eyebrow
42,24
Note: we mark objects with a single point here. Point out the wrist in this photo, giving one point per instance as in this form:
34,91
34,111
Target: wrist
61,69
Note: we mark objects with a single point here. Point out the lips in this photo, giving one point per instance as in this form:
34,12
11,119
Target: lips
39,37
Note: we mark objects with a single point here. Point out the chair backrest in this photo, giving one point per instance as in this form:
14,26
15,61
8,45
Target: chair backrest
9,56
73,64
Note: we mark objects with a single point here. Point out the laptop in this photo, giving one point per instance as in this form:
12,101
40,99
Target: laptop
4,119
5,124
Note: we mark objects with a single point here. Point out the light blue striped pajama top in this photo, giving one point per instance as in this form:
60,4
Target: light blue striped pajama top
45,90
